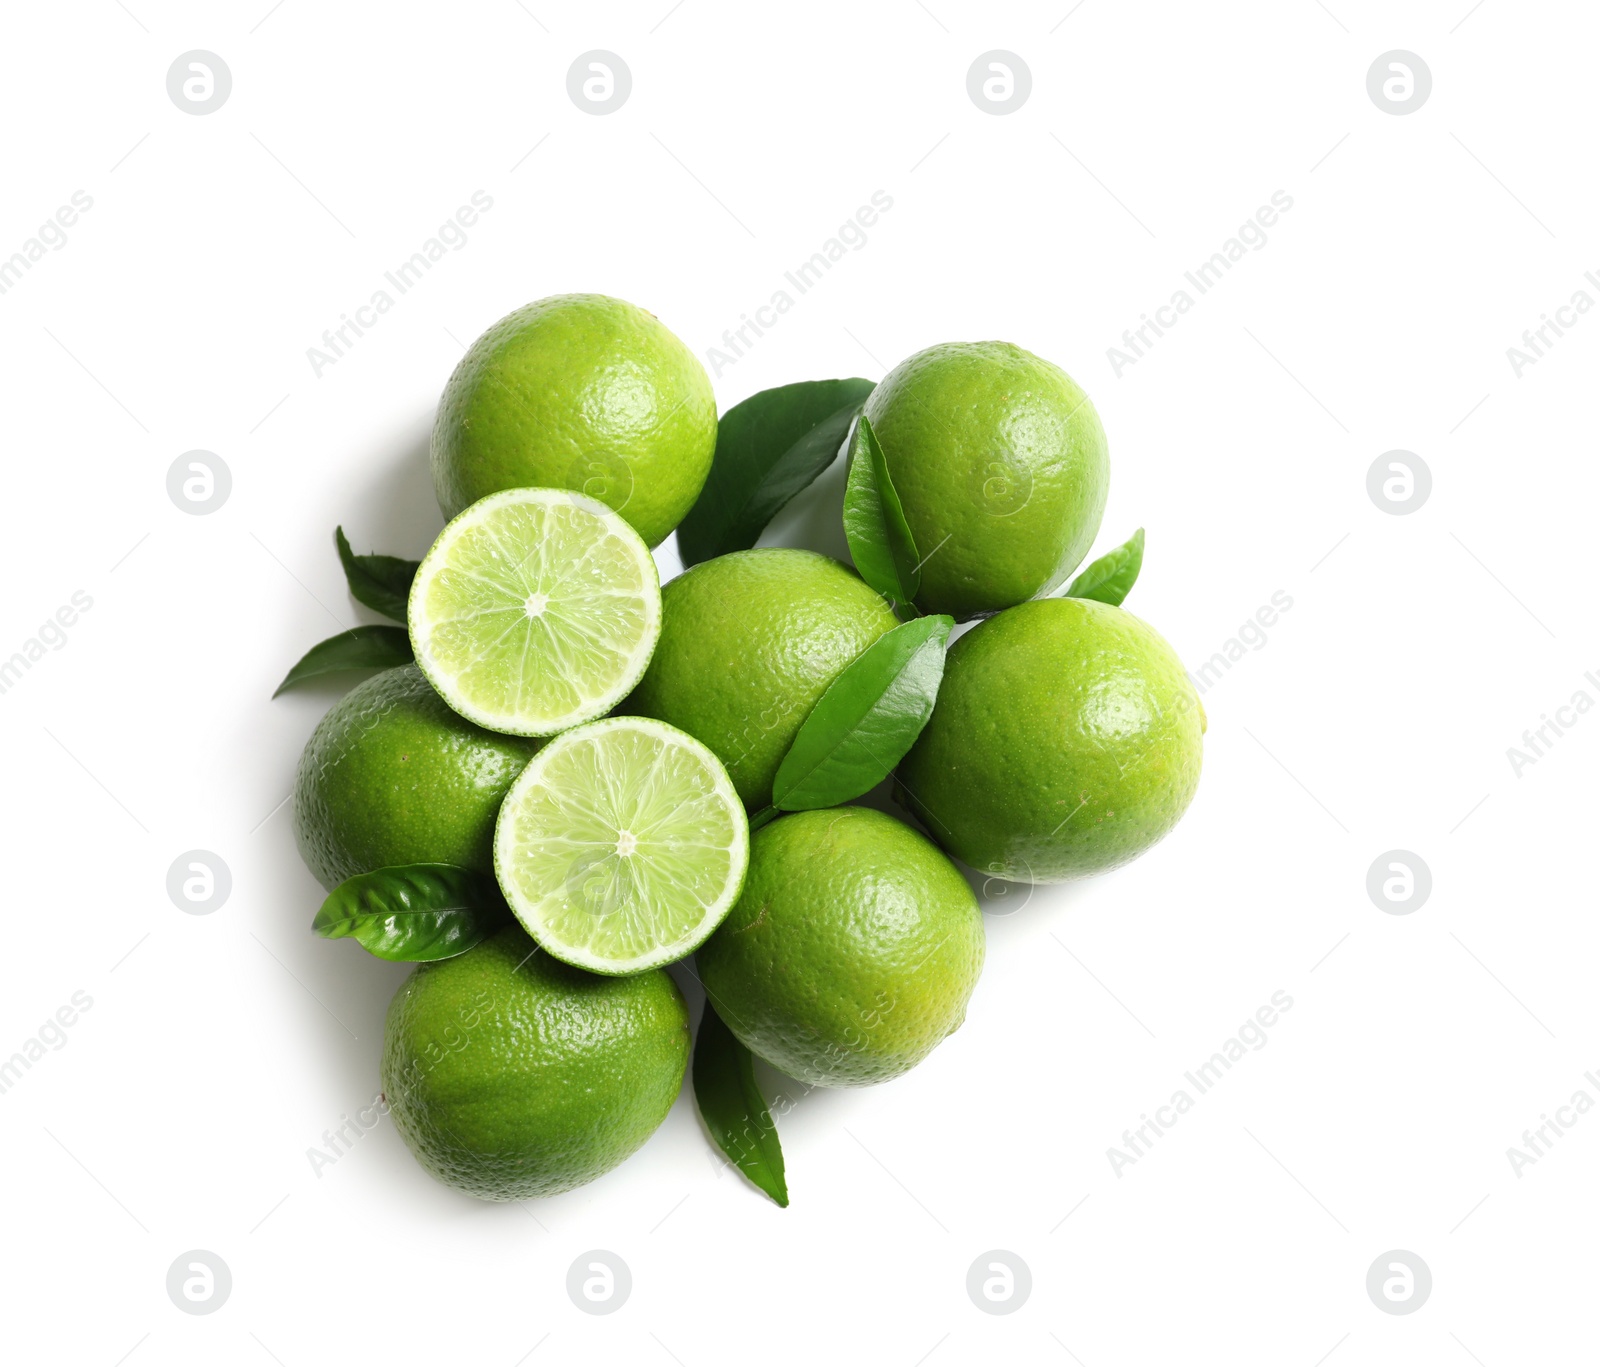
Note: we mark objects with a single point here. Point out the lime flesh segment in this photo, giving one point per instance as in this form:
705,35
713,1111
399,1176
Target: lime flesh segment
536,609
622,845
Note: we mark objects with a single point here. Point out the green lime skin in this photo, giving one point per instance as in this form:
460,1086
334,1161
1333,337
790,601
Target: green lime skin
578,391
1000,463
510,1075
1065,742
852,951
749,642
392,776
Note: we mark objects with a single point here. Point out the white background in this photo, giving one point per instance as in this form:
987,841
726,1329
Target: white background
1377,715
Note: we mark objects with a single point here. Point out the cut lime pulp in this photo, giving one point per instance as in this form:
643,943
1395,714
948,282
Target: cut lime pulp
535,610
622,845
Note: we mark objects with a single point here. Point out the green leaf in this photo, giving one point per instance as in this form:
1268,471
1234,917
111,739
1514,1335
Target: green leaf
382,582
1111,576
881,544
414,913
867,720
358,648
769,447
733,1108
762,818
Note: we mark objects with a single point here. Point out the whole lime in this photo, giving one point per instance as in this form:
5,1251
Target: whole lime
510,1075
852,951
1065,741
578,391
392,776
749,642
1000,463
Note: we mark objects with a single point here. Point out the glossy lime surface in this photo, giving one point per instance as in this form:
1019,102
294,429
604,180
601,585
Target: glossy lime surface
1066,741
583,392
749,642
851,953
1000,463
511,1075
392,775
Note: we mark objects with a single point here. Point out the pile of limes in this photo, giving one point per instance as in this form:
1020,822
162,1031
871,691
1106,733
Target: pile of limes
570,776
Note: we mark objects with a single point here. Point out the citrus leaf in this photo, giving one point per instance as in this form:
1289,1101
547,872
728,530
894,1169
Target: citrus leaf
867,720
762,817
1112,575
382,582
881,544
414,913
769,447
358,648
733,1108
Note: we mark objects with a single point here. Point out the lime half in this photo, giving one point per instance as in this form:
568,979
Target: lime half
535,610
622,845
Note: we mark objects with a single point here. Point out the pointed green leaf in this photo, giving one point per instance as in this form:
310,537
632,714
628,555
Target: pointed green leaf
382,582
881,544
358,648
733,1108
769,448
1112,575
867,720
762,817
414,913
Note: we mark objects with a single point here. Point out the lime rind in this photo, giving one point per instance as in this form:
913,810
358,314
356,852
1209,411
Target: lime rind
535,610
622,845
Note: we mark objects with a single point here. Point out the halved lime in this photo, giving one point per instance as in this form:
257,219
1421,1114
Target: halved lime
535,610
622,845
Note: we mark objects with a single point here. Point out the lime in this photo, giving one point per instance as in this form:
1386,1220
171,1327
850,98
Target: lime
1065,741
510,1075
1000,463
585,392
852,951
624,847
749,642
392,775
536,609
